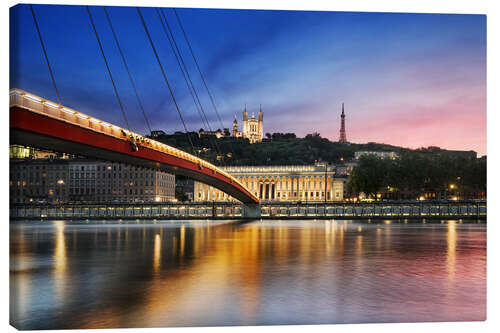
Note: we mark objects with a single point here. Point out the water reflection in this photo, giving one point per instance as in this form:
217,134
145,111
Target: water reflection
98,275
60,259
157,253
182,241
452,245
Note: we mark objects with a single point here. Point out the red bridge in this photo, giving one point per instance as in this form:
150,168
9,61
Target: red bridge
44,124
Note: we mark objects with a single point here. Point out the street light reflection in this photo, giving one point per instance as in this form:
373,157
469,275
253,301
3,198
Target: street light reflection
157,253
451,249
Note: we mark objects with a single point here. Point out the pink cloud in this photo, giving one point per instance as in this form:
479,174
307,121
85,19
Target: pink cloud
458,124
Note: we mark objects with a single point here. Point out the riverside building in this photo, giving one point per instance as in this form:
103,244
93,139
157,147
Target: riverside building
53,180
108,182
280,183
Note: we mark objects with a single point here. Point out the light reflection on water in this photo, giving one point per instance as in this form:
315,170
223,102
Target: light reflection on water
192,273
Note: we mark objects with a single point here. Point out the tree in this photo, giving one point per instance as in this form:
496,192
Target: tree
180,194
369,176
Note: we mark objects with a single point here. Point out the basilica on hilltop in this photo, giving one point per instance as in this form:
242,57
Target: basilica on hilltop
252,127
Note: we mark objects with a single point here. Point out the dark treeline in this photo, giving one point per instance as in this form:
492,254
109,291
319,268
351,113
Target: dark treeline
415,173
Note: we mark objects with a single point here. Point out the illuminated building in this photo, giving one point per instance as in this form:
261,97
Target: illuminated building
158,133
107,181
252,127
236,133
16,151
54,180
381,154
218,133
22,152
280,183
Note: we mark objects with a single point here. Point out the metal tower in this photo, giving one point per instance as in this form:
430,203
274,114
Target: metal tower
343,138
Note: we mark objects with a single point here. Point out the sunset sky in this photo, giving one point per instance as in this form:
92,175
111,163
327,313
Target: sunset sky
410,80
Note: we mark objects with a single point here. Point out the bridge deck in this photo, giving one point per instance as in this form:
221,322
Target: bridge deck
46,125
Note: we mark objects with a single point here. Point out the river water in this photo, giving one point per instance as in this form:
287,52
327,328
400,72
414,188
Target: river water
92,274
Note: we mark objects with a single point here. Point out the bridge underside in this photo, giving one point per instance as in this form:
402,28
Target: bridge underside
34,130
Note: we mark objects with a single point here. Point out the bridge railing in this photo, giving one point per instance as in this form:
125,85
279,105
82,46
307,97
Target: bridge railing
25,100
208,210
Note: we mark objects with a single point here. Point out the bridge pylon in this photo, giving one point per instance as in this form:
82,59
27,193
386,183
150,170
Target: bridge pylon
250,210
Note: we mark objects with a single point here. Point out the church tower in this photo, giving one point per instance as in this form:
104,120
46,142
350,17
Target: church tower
342,138
253,126
260,132
235,126
244,129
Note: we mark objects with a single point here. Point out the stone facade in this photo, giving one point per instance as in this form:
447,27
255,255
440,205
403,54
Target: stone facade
280,183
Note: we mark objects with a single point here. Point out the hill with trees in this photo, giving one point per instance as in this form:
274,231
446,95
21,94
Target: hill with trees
275,149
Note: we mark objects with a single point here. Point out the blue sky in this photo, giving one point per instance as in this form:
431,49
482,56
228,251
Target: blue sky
406,79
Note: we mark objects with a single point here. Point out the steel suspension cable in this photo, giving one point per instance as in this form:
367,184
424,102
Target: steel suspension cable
198,67
231,150
185,74
219,151
107,67
46,56
165,77
183,67
127,69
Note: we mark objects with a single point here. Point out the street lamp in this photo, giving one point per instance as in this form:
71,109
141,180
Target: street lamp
451,188
326,180
326,185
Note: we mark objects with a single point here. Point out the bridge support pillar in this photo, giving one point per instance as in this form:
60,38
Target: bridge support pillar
250,210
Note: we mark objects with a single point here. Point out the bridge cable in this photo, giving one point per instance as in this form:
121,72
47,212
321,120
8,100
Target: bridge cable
165,77
202,77
185,74
46,56
183,68
109,70
198,67
127,69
